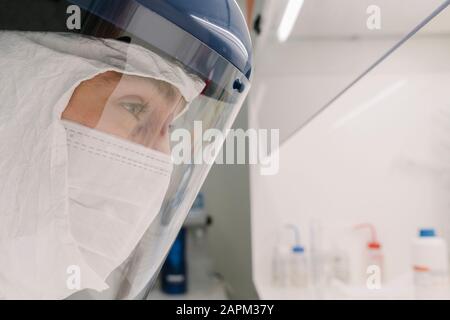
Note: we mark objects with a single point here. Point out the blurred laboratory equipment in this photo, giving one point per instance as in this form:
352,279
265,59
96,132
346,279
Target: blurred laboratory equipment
198,216
373,252
188,272
430,265
290,264
298,267
173,272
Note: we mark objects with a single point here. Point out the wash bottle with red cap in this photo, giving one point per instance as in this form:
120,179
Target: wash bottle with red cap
374,253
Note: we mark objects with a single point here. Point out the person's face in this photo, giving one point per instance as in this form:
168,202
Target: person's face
135,108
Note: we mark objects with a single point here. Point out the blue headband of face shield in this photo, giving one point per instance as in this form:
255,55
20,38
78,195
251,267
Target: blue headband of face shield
207,40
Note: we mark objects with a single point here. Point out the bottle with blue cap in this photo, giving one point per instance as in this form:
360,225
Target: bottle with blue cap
430,265
298,264
290,265
298,267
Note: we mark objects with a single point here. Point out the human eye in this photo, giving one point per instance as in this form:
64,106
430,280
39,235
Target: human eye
135,108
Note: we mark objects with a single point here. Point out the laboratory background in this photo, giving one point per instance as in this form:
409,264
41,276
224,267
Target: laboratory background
358,205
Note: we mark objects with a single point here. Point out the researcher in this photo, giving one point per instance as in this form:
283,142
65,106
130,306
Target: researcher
91,197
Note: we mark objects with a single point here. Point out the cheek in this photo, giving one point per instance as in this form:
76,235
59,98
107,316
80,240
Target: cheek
117,121
162,144
153,135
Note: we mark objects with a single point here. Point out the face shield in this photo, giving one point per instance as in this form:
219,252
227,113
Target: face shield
128,126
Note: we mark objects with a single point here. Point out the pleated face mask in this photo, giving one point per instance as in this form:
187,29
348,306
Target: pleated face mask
116,189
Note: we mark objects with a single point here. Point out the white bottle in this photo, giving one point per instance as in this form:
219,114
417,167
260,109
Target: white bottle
374,258
289,264
430,265
298,267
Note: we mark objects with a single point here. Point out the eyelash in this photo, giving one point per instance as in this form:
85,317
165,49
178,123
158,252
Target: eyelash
134,108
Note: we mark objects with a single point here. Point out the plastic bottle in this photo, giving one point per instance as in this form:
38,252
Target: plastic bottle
290,265
173,272
430,265
298,267
374,254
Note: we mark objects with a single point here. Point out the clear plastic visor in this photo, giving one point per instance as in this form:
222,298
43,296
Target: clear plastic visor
154,113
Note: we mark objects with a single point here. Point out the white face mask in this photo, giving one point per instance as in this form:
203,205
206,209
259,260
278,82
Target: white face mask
116,189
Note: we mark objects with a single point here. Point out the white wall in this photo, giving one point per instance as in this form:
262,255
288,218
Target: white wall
329,38
379,154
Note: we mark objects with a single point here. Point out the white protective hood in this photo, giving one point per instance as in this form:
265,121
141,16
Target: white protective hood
39,72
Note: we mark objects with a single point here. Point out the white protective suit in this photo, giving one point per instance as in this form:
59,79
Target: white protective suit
40,71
